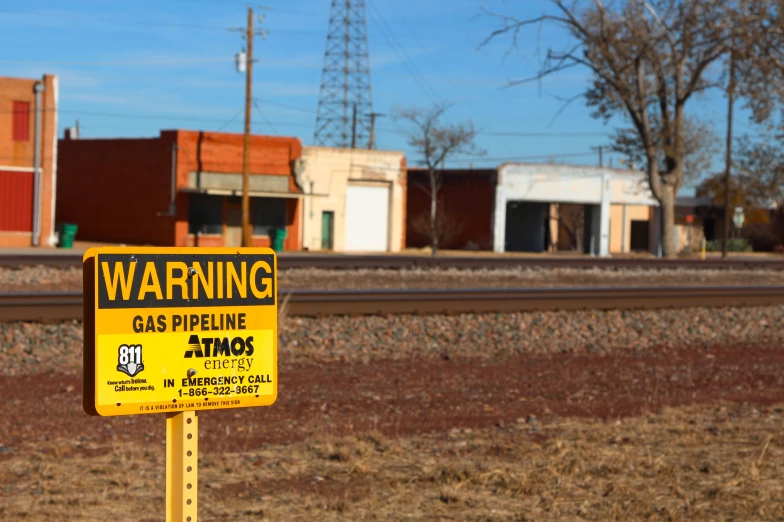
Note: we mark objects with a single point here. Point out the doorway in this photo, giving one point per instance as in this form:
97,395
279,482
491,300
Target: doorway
233,234
327,229
525,226
639,242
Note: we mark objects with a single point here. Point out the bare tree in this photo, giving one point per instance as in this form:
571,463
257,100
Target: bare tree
570,218
700,147
449,225
648,58
434,141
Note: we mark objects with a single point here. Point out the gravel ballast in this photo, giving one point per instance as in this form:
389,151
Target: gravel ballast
65,279
34,347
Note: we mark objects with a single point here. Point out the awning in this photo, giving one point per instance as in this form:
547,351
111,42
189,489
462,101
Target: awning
238,193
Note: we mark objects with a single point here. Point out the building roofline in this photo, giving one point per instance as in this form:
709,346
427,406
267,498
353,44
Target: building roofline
453,170
43,77
595,168
239,134
346,150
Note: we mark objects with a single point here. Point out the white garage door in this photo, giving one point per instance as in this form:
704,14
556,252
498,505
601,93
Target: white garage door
367,218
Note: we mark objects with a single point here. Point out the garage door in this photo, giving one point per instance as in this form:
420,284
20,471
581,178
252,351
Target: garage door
367,218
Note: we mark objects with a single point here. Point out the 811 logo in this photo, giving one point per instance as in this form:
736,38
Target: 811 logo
129,359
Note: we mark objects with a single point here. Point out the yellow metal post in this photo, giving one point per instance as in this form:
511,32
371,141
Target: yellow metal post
182,458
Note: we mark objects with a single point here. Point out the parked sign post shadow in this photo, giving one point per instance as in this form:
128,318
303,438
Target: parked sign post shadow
175,331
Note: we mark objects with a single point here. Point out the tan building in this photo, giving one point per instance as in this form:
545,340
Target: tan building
692,216
28,138
358,200
631,228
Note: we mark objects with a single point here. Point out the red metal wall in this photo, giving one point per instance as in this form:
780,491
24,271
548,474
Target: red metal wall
114,189
469,195
16,201
17,120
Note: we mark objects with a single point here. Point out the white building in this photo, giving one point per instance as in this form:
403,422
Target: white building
526,192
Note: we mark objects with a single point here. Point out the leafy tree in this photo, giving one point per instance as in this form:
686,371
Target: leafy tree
760,166
649,58
700,146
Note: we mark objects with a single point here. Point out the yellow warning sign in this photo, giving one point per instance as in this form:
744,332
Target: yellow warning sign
175,329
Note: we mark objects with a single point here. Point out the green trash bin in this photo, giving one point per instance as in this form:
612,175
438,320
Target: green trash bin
277,235
67,232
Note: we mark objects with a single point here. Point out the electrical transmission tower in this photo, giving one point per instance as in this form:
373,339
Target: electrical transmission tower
345,110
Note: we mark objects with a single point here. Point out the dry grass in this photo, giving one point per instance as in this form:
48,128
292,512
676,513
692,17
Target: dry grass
708,463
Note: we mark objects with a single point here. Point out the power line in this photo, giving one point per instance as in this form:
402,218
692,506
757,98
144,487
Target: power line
206,119
80,20
264,117
284,105
230,121
405,59
121,62
418,41
545,134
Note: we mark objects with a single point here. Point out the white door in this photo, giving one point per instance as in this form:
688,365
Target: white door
367,219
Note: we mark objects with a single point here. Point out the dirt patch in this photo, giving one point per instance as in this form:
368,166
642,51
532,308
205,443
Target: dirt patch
401,398
705,463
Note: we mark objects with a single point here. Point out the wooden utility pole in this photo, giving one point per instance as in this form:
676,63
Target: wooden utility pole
372,141
728,166
354,127
600,148
246,226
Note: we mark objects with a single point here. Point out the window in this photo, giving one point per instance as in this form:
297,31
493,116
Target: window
21,130
266,214
205,214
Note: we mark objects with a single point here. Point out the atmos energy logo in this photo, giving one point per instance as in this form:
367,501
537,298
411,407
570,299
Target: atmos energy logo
129,359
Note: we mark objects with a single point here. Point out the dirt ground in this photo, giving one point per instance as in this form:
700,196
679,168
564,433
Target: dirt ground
543,437
719,462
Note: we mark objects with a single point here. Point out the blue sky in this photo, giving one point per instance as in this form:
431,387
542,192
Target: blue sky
132,68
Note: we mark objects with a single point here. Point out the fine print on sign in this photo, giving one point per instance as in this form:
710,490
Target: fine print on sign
176,329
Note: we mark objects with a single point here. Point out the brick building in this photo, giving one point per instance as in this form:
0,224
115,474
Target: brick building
182,188
466,202
26,210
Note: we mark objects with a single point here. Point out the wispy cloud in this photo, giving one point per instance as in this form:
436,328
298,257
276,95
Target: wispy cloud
390,57
98,98
68,77
261,87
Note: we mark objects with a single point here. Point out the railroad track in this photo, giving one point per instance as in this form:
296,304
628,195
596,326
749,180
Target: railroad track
38,306
395,261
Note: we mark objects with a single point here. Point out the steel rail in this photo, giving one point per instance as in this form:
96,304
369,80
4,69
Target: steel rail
41,306
33,306
403,261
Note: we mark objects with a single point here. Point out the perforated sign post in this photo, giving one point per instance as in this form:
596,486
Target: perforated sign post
174,331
